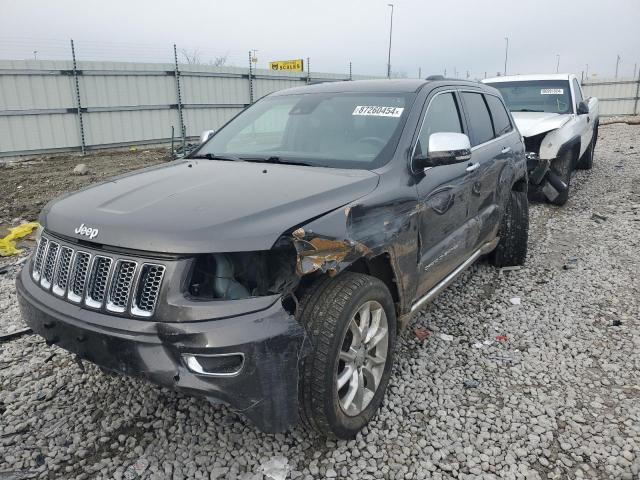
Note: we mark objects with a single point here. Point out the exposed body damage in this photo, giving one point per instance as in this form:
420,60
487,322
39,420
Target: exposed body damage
559,136
195,278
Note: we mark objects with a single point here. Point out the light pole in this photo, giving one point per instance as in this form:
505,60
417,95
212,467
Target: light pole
506,54
390,34
557,63
35,54
618,59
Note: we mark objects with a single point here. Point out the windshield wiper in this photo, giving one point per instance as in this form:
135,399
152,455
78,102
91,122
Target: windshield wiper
213,156
274,159
527,110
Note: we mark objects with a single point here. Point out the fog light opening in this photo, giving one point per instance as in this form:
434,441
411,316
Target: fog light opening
215,365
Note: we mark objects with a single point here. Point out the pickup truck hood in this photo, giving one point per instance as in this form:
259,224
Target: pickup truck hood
200,206
534,123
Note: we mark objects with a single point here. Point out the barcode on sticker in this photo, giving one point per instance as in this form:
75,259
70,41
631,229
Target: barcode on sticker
377,111
552,91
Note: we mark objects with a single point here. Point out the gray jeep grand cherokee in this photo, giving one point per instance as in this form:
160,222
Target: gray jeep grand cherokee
274,267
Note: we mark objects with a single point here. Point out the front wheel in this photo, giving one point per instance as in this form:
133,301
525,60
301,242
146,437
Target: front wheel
586,162
351,323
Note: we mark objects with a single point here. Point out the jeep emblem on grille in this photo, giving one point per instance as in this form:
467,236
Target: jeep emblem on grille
87,231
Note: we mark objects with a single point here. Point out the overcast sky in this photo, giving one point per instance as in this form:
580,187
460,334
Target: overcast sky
434,35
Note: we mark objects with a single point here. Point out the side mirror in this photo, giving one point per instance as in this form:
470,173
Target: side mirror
445,148
206,135
583,108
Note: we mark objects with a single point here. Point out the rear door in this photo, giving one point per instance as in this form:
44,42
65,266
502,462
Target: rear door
442,195
487,155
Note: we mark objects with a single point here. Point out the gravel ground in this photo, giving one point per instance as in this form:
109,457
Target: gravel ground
547,387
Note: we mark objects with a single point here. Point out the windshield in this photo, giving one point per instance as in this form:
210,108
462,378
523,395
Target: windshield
340,130
536,95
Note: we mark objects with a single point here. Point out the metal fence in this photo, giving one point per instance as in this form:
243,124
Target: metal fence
617,97
48,106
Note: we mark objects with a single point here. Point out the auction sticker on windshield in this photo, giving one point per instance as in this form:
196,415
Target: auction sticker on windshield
377,111
552,91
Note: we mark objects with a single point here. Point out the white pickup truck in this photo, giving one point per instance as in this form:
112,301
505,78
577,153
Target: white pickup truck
559,126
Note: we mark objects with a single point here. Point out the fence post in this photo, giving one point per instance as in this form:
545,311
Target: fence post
78,103
350,72
308,71
179,97
250,78
635,104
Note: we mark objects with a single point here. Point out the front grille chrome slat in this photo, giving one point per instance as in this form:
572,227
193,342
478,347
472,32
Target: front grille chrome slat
93,280
147,289
49,265
121,284
61,276
38,260
78,278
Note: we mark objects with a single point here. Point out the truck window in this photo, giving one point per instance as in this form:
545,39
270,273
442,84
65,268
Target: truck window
443,115
480,125
501,121
578,90
551,96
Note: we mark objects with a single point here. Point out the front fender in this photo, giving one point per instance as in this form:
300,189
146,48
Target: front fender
557,142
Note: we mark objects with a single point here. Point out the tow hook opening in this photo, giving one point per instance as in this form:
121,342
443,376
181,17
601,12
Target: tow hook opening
214,365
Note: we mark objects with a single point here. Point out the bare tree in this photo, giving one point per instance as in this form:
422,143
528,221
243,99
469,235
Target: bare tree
192,57
219,61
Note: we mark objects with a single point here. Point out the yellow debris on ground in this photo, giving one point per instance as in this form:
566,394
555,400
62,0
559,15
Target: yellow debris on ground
8,244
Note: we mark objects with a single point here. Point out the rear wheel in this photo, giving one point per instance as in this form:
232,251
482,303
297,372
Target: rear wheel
351,322
514,232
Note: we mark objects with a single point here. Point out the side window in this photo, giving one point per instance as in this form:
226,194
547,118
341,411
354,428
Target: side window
579,98
501,121
443,116
480,126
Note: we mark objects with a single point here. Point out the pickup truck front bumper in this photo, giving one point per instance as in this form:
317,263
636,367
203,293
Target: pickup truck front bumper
545,182
258,352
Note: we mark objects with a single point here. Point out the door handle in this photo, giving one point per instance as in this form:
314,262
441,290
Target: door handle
472,167
505,150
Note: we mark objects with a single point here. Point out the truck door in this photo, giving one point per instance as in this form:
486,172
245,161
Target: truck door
442,195
584,121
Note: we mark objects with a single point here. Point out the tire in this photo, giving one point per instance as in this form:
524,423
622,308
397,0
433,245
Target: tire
563,167
329,312
586,162
514,232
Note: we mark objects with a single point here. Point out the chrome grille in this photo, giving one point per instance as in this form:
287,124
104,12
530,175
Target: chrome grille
92,279
39,258
148,289
61,276
121,286
49,264
78,276
97,287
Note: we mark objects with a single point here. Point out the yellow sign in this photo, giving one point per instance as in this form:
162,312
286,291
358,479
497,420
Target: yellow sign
288,65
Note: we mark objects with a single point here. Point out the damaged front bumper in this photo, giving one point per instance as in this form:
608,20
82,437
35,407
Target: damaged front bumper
258,352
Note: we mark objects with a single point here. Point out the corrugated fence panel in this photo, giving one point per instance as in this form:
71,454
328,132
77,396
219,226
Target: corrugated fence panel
103,128
27,133
616,96
197,120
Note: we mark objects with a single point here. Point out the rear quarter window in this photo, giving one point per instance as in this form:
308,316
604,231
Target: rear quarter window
501,120
480,127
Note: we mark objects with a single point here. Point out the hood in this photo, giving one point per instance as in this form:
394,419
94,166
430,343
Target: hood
534,123
200,206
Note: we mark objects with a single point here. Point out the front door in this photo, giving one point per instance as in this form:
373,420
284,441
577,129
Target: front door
443,197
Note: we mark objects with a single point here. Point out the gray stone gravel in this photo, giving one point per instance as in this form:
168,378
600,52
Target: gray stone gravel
559,397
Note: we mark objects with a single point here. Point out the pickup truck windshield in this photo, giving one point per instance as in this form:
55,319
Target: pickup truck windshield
551,96
339,130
